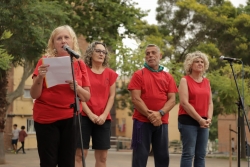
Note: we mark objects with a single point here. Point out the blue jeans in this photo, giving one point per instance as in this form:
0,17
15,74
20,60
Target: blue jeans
143,135
194,142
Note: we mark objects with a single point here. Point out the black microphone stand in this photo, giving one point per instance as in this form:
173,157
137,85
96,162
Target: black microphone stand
76,107
240,105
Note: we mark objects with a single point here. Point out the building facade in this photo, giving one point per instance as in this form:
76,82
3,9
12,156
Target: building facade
20,111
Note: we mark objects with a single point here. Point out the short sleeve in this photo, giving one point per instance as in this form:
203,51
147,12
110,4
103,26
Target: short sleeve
136,81
113,77
40,62
85,77
172,88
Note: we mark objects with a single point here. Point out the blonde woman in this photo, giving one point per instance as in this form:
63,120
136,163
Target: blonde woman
53,116
196,110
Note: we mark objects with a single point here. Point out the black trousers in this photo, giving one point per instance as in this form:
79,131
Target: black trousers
56,143
22,147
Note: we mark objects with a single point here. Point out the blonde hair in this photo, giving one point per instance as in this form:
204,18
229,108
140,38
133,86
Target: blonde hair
190,57
89,52
51,52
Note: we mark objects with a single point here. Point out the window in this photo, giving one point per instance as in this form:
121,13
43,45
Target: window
26,93
30,126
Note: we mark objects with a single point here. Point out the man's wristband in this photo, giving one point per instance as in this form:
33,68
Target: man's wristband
162,113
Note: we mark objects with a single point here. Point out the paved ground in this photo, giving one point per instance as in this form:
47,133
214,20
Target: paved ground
115,159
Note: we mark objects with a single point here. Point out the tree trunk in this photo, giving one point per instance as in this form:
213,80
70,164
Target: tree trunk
28,69
3,107
2,154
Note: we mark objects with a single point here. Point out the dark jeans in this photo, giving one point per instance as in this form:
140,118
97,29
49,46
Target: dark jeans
144,135
56,143
22,147
194,142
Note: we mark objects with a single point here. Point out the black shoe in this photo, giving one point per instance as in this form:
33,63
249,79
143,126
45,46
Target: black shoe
24,152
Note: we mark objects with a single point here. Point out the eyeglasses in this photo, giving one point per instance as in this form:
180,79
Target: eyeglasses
101,51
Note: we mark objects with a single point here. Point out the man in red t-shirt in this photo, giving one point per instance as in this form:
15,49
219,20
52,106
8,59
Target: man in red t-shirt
153,96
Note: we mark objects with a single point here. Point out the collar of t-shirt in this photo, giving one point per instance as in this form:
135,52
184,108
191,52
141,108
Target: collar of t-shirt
151,69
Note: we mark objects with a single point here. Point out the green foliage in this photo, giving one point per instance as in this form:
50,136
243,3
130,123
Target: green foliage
192,23
102,19
30,22
213,130
176,69
5,58
123,98
224,90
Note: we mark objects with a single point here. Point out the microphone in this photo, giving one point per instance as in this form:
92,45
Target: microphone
70,51
229,58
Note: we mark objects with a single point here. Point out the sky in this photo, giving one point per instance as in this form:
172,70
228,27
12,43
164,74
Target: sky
151,5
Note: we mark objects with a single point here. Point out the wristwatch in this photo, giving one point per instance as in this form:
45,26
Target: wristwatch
162,113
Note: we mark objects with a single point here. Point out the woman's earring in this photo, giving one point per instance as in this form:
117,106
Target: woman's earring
55,52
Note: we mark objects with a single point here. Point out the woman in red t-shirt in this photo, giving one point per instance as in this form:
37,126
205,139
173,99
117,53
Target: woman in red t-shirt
96,119
196,110
52,112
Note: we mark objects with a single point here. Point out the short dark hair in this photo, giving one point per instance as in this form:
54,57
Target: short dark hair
22,127
15,125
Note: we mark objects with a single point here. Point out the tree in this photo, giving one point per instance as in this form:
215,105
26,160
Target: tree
5,62
102,20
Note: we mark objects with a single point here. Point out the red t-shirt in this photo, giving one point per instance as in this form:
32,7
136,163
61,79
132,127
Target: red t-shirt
22,135
198,96
100,89
54,102
154,87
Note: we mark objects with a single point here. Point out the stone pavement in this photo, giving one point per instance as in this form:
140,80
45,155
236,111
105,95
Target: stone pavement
115,159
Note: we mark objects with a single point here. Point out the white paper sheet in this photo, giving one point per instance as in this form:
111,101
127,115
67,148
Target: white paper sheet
59,70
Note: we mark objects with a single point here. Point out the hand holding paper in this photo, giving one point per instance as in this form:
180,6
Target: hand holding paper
59,70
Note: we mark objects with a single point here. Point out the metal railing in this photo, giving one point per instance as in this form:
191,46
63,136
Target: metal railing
175,146
118,143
